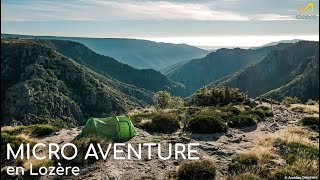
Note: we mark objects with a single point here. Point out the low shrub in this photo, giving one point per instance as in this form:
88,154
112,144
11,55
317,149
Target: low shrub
242,121
82,146
37,130
259,112
137,118
247,176
201,169
296,147
242,163
15,142
265,108
206,125
162,124
41,130
283,173
312,102
217,96
310,121
290,100
232,109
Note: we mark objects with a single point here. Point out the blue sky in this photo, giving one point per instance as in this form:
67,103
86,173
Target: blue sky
202,23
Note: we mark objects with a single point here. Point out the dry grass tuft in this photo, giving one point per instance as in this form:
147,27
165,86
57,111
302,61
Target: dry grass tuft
309,109
263,153
289,135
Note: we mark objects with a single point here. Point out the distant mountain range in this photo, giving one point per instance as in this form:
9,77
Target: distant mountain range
278,42
291,71
141,54
64,82
223,62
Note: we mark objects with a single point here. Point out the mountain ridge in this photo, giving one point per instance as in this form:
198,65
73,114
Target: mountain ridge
139,53
272,76
148,79
223,62
48,87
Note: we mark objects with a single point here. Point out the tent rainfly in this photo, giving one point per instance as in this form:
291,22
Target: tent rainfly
114,128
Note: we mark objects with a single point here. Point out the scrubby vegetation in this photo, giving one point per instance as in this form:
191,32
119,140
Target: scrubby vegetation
242,121
206,124
292,145
15,141
302,161
164,100
312,102
242,163
217,96
246,176
202,169
37,130
290,100
162,123
18,135
310,121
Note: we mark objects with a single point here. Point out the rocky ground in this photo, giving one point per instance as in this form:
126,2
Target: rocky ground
220,147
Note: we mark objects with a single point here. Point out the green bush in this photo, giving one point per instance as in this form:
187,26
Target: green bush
163,100
281,173
206,125
233,110
15,142
242,121
310,121
137,118
162,124
300,151
312,102
298,147
41,130
194,170
265,108
290,100
246,176
242,162
217,96
37,130
259,112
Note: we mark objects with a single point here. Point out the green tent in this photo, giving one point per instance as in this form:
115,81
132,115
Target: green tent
115,128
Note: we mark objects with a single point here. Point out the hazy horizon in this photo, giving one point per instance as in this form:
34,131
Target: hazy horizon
206,40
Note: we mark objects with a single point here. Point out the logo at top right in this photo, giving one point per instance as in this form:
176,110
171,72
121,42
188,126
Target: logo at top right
305,12
306,9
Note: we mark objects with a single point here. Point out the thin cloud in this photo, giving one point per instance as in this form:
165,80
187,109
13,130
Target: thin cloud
97,10
273,17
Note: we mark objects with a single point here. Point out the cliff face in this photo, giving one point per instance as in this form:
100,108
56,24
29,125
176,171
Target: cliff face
292,71
200,72
304,86
40,85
